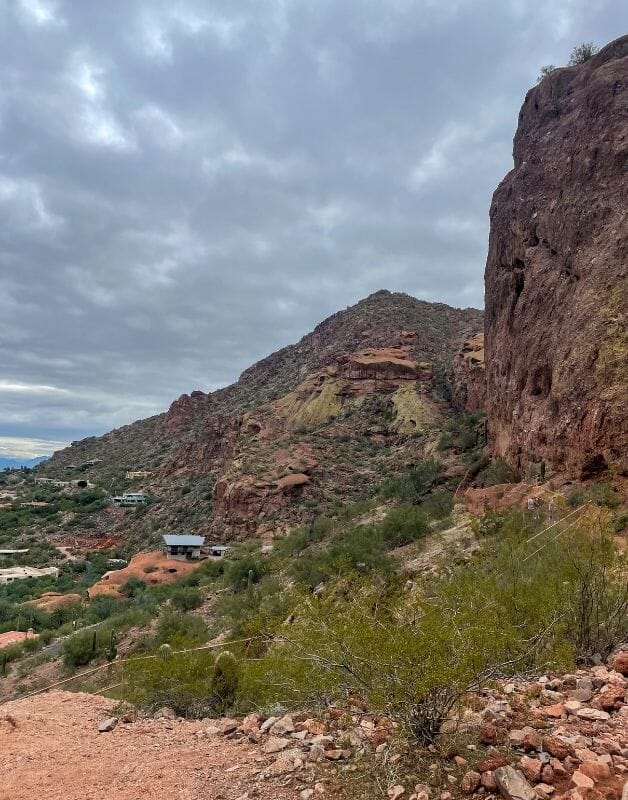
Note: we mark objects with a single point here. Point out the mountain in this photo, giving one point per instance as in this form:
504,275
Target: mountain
556,288
15,462
316,423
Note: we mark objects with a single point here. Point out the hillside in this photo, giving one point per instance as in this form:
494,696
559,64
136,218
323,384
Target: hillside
317,423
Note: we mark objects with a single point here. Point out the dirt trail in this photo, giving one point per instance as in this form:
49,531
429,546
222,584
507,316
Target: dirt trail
50,749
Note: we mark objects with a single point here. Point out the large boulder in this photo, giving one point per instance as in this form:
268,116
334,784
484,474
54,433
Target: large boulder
512,785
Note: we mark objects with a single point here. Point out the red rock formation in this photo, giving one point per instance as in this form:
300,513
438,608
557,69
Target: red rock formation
469,376
182,412
390,364
556,289
210,448
241,505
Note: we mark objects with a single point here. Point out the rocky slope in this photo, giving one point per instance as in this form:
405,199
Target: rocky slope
313,424
558,736
556,288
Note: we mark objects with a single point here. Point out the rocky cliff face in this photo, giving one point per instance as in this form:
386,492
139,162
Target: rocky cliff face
556,289
469,375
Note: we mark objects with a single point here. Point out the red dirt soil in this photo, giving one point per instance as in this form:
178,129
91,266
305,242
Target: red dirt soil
50,748
152,568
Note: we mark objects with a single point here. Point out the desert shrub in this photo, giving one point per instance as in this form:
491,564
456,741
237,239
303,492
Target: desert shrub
439,504
581,53
205,574
102,607
80,649
181,682
244,571
411,487
186,598
133,587
179,629
413,655
498,471
360,549
462,433
601,494
545,70
301,538
403,525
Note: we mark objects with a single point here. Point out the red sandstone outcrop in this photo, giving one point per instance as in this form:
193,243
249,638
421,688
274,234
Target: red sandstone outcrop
556,289
469,375
241,505
213,445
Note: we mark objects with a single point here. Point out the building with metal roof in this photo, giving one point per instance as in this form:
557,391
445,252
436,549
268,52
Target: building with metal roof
184,547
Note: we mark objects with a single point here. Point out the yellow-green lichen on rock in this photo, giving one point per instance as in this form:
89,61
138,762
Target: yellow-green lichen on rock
413,412
319,406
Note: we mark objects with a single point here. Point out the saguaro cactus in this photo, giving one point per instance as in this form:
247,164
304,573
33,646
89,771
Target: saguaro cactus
224,681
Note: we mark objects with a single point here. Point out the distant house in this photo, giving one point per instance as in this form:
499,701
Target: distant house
218,550
16,637
130,499
183,547
137,473
20,573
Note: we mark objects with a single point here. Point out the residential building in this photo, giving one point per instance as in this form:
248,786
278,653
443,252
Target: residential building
20,573
218,550
183,547
16,637
130,499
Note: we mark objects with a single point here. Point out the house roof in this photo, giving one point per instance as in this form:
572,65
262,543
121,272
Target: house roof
14,637
185,540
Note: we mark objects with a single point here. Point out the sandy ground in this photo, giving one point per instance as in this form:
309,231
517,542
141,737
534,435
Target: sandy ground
50,749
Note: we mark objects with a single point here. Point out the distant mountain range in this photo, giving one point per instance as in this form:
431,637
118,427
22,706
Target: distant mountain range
16,462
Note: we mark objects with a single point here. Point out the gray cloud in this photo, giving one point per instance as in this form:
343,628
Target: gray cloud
187,187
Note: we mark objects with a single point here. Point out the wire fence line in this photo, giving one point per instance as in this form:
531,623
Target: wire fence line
122,661
211,646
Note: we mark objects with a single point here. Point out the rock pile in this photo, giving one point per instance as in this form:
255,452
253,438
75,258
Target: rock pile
564,738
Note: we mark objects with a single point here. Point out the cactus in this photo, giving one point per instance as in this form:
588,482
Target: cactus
224,682
165,652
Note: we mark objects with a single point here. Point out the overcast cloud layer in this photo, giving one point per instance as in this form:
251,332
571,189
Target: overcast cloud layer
187,186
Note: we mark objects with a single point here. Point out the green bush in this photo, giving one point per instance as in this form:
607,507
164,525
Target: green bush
361,549
581,53
498,471
243,572
412,487
186,598
133,587
403,525
413,655
180,630
181,682
439,504
80,649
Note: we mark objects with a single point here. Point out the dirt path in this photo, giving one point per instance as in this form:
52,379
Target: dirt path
50,749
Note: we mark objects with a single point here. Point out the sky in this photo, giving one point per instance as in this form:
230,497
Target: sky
187,186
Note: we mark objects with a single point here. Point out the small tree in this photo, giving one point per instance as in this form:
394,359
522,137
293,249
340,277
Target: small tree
545,71
583,52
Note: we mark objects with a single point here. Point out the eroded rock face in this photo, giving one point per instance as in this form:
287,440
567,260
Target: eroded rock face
556,289
241,505
469,375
